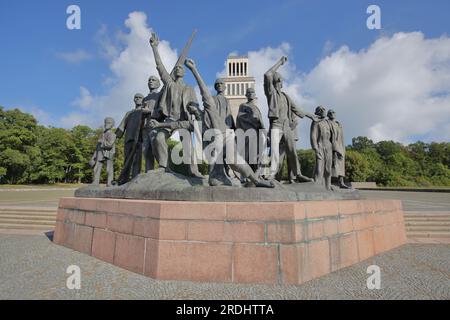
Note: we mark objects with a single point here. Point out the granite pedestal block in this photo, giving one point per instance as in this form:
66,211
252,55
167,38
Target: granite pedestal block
271,242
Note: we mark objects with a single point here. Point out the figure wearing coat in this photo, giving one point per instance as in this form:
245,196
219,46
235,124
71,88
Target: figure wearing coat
338,169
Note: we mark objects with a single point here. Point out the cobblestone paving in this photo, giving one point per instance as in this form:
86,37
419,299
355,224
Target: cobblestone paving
31,267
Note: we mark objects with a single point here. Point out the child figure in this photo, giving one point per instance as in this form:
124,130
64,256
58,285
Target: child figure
105,153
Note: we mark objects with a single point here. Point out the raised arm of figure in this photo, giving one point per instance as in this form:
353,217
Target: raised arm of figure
299,112
268,76
277,65
154,42
207,98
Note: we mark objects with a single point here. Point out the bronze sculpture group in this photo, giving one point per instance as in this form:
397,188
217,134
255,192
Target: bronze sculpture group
147,128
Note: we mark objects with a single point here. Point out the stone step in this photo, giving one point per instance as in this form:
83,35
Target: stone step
28,217
427,223
427,219
28,208
27,222
428,228
26,227
427,215
427,234
29,212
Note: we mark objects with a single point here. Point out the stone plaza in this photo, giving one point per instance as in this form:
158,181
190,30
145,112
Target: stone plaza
33,267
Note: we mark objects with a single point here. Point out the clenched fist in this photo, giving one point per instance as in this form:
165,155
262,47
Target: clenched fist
154,40
189,63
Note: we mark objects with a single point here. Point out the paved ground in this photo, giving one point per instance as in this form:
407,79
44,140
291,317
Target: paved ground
31,267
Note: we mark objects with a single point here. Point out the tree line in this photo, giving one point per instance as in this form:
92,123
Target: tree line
392,164
31,153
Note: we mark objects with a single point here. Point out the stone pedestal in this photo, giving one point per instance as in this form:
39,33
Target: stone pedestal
271,242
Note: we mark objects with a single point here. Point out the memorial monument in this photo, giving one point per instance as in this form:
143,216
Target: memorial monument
171,226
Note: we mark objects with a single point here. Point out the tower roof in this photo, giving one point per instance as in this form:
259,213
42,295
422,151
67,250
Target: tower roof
237,57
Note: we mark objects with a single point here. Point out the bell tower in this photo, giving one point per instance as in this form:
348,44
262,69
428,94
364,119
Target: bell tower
237,81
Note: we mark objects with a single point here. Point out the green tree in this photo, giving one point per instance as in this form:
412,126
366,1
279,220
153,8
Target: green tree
440,152
17,144
307,160
357,167
58,156
85,140
362,143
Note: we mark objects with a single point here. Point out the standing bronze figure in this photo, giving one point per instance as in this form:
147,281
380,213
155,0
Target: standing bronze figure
224,112
104,153
150,104
249,118
174,99
321,142
216,122
338,169
282,116
131,126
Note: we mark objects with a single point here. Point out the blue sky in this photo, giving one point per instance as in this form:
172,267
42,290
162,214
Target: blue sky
34,37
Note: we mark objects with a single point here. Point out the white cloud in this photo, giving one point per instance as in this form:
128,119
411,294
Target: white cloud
397,89
85,100
42,117
131,63
108,49
74,57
